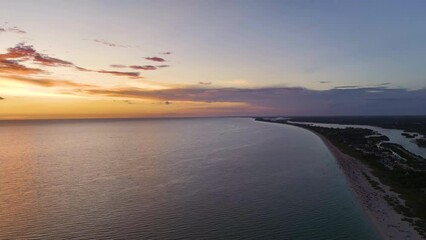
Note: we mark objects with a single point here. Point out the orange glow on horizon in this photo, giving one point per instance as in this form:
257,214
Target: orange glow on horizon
66,108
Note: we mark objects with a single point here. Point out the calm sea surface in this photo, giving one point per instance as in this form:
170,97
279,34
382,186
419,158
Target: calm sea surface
225,178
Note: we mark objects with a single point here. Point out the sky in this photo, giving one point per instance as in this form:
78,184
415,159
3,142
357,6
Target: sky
192,58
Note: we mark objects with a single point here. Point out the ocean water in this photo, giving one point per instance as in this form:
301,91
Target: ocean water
224,178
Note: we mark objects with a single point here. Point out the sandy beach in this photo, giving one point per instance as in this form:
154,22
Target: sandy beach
388,222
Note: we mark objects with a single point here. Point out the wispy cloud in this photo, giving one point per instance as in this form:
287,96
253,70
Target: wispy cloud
162,66
110,44
165,53
117,73
140,67
118,66
348,87
2,98
341,100
27,52
136,67
290,100
45,82
12,29
10,62
205,83
146,67
13,67
155,59
16,30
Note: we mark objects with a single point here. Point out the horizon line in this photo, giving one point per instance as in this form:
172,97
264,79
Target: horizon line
198,117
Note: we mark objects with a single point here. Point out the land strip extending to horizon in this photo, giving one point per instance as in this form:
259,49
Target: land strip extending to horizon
388,180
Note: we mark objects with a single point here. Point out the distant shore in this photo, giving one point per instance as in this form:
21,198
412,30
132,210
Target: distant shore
370,193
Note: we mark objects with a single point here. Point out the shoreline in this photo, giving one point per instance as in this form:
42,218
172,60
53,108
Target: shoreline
386,220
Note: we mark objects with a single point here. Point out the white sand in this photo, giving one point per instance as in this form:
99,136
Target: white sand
385,218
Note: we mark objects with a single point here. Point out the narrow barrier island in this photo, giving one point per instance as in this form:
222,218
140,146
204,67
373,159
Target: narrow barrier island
395,176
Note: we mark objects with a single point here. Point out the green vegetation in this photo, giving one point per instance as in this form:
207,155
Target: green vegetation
421,142
413,124
408,135
373,183
414,161
394,166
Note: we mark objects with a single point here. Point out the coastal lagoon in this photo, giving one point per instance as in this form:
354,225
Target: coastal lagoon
218,178
394,135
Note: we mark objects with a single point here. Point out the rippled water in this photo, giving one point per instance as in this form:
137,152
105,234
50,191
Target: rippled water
172,179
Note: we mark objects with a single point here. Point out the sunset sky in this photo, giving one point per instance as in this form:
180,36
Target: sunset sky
95,59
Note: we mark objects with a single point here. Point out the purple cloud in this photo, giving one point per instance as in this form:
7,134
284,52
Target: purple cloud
205,83
110,44
155,59
125,74
146,67
163,66
140,67
10,62
292,101
16,30
117,66
13,30
46,82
